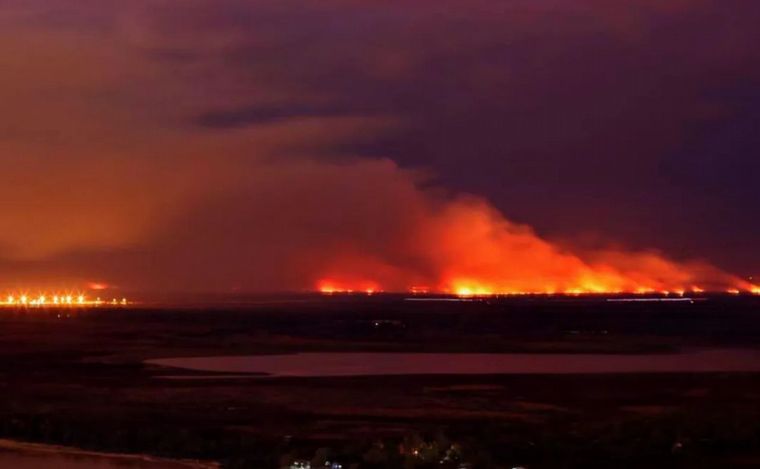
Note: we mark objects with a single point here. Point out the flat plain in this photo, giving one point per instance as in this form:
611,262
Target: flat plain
79,378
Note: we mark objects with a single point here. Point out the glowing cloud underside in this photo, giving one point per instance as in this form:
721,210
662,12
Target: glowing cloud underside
470,249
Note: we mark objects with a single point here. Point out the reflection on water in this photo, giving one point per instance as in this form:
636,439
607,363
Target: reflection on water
363,364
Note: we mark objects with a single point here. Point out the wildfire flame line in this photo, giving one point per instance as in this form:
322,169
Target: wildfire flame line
475,290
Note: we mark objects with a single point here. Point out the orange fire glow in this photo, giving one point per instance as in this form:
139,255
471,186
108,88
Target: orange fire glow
475,289
468,248
329,287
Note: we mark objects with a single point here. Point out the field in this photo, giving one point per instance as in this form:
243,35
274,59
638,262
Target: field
77,378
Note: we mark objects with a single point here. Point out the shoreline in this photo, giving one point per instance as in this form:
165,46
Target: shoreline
46,449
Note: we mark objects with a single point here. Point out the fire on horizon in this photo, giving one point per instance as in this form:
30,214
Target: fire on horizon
175,146
478,288
331,288
470,249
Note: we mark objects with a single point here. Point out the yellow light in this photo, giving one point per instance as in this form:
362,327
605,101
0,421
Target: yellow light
46,299
467,291
464,291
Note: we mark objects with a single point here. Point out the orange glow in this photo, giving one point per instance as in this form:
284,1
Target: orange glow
330,287
55,300
467,248
470,288
474,288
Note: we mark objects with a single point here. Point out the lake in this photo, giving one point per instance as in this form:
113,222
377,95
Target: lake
373,364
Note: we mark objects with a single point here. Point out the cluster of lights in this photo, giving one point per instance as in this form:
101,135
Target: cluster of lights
57,300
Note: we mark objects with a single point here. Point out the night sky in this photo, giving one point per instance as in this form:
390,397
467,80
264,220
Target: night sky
223,145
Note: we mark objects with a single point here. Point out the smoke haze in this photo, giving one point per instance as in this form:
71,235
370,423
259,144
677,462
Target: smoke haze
235,146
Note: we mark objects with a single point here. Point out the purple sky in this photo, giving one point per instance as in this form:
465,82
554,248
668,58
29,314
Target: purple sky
249,132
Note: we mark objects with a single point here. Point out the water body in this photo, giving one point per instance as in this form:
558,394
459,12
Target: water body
372,364
19,455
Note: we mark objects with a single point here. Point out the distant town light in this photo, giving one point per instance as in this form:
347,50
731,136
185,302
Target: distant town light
55,300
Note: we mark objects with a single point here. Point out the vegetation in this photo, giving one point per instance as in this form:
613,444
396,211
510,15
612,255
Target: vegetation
81,382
